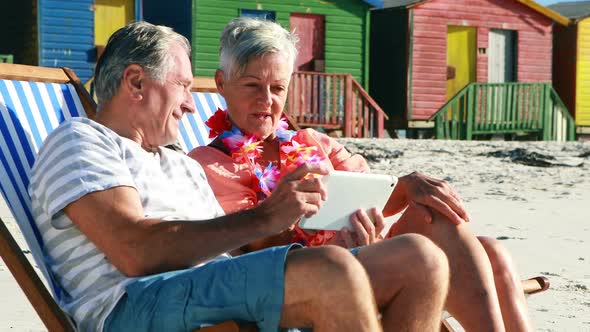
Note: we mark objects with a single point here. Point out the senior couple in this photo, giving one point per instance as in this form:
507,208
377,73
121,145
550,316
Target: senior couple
139,236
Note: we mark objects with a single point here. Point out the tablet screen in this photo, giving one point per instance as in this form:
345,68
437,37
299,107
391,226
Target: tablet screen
348,192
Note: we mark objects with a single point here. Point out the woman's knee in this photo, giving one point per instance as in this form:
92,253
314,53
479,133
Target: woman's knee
500,259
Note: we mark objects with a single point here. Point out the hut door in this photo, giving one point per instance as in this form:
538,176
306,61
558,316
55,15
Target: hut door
310,29
501,56
109,16
461,52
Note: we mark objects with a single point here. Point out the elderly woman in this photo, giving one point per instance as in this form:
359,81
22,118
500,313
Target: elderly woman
253,149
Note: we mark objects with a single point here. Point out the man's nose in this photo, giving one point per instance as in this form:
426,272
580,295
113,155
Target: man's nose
188,105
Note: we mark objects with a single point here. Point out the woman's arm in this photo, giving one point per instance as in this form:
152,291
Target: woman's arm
421,189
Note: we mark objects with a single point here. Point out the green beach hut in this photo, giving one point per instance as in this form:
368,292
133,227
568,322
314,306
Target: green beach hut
334,34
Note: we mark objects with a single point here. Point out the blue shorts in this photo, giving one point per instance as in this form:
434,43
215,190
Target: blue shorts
249,288
246,288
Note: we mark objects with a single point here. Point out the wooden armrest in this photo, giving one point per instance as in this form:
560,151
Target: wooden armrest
535,285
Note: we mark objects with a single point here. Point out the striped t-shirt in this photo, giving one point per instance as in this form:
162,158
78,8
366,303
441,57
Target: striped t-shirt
81,157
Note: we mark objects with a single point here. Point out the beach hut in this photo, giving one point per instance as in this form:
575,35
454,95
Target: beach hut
62,33
334,35
424,52
571,61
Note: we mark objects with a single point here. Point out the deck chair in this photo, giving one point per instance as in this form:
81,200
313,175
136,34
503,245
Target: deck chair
192,129
33,102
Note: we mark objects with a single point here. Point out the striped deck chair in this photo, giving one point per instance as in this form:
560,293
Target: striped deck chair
33,102
24,92
192,129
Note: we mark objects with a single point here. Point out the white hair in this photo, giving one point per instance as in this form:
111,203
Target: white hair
245,38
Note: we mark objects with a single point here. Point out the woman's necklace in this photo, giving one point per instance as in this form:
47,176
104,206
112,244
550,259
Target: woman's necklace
247,149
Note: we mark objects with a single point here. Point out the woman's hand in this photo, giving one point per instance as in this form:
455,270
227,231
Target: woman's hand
436,194
365,231
294,197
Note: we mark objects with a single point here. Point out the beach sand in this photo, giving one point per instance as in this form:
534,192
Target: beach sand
537,206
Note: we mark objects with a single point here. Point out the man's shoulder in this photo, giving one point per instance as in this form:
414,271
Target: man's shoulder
71,131
79,126
71,137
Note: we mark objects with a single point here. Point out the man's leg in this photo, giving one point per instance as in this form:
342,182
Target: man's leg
409,276
472,296
326,288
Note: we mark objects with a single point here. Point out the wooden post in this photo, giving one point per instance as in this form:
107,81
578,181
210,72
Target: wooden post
546,113
348,107
380,125
471,107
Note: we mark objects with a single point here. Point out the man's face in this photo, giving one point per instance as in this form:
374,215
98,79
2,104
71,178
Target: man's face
166,102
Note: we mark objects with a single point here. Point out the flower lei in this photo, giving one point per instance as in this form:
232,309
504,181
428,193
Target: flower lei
246,149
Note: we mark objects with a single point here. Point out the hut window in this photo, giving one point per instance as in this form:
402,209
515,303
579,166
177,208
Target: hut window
267,15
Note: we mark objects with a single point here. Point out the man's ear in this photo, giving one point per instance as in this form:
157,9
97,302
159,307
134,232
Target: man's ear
133,81
220,81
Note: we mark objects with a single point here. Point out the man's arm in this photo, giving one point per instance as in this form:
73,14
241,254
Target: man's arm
114,221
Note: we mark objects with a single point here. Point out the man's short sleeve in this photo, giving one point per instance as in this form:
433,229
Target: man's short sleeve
77,159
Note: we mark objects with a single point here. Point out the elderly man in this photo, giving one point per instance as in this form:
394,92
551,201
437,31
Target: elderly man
134,235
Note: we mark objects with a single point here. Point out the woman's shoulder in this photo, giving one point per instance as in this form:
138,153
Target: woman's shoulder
206,153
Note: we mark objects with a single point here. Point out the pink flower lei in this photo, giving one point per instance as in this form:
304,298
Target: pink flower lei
246,149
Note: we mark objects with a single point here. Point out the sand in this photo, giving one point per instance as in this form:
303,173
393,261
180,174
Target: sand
533,196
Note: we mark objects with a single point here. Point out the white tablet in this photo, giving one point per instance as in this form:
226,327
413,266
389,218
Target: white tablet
348,192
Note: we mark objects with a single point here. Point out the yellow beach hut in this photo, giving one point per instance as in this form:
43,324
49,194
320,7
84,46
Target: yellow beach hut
571,61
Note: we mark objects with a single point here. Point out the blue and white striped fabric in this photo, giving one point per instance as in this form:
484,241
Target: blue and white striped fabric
192,129
29,111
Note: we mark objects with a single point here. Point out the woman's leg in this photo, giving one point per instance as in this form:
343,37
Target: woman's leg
508,286
472,296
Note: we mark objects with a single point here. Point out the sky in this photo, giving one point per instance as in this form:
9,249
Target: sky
550,2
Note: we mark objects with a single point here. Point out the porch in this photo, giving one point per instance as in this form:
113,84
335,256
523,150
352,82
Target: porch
496,108
334,102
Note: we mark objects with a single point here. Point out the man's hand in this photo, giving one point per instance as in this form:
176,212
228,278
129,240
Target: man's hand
365,231
436,194
295,197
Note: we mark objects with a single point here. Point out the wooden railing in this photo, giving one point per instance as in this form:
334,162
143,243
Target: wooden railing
334,102
495,108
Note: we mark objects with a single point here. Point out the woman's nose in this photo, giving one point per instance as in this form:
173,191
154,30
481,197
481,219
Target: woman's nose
265,97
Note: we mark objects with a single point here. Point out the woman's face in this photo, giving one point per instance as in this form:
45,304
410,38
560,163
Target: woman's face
256,98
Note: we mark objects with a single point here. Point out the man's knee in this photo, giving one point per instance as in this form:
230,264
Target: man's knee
335,261
427,258
331,265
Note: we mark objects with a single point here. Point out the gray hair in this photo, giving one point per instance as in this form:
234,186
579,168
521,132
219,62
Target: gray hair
245,38
138,43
